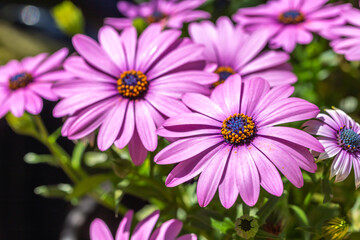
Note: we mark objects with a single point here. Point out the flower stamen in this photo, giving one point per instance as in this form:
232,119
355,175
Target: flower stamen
291,17
20,80
238,129
132,84
224,73
155,17
348,139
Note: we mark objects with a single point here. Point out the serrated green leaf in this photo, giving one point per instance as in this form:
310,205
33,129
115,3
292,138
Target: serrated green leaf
33,158
54,191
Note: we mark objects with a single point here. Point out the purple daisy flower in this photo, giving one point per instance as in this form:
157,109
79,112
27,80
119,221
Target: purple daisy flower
291,21
339,134
347,40
234,51
169,13
23,83
128,86
167,231
231,140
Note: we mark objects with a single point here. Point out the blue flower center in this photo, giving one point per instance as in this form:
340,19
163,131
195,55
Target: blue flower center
156,16
224,73
348,139
291,17
20,80
238,129
132,84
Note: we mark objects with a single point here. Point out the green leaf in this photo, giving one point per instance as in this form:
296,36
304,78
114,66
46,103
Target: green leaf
222,226
88,184
93,159
33,158
54,191
262,234
23,125
267,209
326,188
144,192
300,214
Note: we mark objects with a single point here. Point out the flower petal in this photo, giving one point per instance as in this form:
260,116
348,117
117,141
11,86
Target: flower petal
247,177
145,125
137,151
187,148
99,230
94,54
123,231
143,228
210,177
111,125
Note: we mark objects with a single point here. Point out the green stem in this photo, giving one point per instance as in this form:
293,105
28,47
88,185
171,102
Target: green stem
62,157
64,161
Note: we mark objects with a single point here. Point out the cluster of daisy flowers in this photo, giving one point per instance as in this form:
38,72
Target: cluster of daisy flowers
218,96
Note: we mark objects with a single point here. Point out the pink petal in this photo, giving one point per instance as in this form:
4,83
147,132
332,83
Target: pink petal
228,191
137,150
123,231
176,58
270,178
191,121
166,105
292,135
182,150
94,54
232,87
168,230
30,63
17,102
44,90
287,110
33,103
281,159
112,44
129,41
210,177
77,66
143,229
247,177
145,126
266,60
204,105
153,49
186,170
99,230
127,130
52,62
254,90
111,125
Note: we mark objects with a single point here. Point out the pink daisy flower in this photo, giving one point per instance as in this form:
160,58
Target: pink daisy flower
291,21
234,51
347,40
169,13
23,83
167,231
339,134
232,142
126,86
